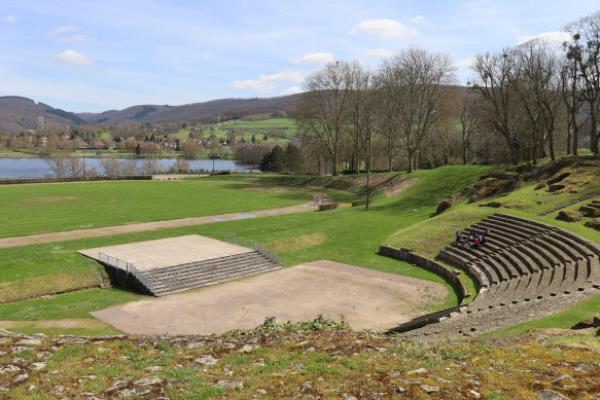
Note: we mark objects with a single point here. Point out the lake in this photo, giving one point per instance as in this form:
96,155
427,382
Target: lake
38,166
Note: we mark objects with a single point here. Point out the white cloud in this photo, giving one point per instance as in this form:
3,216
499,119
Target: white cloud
76,38
418,19
385,28
379,53
62,29
73,57
10,19
268,83
293,90
548,37
464,63
317,58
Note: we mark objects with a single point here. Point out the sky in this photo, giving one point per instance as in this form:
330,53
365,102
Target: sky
91,56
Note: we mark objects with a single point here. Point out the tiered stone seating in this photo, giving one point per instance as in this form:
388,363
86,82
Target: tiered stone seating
168,280
525,270
591,210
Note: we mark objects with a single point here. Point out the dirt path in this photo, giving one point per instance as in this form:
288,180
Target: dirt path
148,226
57,323
363,297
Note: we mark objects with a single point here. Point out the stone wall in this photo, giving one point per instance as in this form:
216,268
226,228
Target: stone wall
452,277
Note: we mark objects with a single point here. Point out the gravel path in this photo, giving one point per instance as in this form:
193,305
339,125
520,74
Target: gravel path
148,226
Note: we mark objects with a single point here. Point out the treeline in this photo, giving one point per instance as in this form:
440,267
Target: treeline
526,102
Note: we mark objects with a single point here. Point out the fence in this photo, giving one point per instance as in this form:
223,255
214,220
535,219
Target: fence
125,266
253,245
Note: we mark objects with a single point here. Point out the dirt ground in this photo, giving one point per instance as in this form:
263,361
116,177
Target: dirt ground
364,298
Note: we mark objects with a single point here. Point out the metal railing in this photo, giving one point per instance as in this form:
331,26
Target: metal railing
125,266
254,245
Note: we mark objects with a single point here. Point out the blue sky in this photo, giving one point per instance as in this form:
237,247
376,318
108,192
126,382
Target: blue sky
111,54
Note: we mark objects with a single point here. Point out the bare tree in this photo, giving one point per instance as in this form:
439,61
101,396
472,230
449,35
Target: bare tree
584,50
495,73
537,76
469,123
419,74
324,108
388,121
570,91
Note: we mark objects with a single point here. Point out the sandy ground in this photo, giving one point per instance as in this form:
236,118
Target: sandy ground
364,298
151,254
148,226
58,323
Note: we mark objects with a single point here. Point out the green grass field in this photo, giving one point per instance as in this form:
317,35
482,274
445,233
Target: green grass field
349,235
29,209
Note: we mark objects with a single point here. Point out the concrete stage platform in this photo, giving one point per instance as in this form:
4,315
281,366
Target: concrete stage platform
161,253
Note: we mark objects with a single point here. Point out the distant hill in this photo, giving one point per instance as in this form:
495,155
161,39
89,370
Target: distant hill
209,111
20,113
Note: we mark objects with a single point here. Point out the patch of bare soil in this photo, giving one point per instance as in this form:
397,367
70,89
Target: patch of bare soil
398,185
365,298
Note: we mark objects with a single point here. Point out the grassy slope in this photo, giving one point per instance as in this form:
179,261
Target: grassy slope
345,235
29,209
432,235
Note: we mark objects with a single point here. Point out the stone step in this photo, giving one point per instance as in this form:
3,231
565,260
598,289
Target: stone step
207,272
201,268
193,284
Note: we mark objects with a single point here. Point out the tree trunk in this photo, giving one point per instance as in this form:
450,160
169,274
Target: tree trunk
594,133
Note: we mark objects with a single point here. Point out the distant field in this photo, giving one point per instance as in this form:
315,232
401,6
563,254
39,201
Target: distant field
29,209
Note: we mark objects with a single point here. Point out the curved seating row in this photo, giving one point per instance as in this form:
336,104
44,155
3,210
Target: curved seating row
524,267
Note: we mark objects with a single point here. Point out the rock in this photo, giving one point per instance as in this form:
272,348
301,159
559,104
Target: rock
9,369
568,216
128,393
206,360
492,204
417,371
306,386
262,392
558,178
154,368
430,388
547,394
443,206
556,187
248,348
594,323
2,353
594,224
230,385
400,389
36,366
57,390
149,381
348,397
474,394
20,378
29,342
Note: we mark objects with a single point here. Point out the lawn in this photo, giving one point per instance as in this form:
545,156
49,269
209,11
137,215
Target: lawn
349,235
29,209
